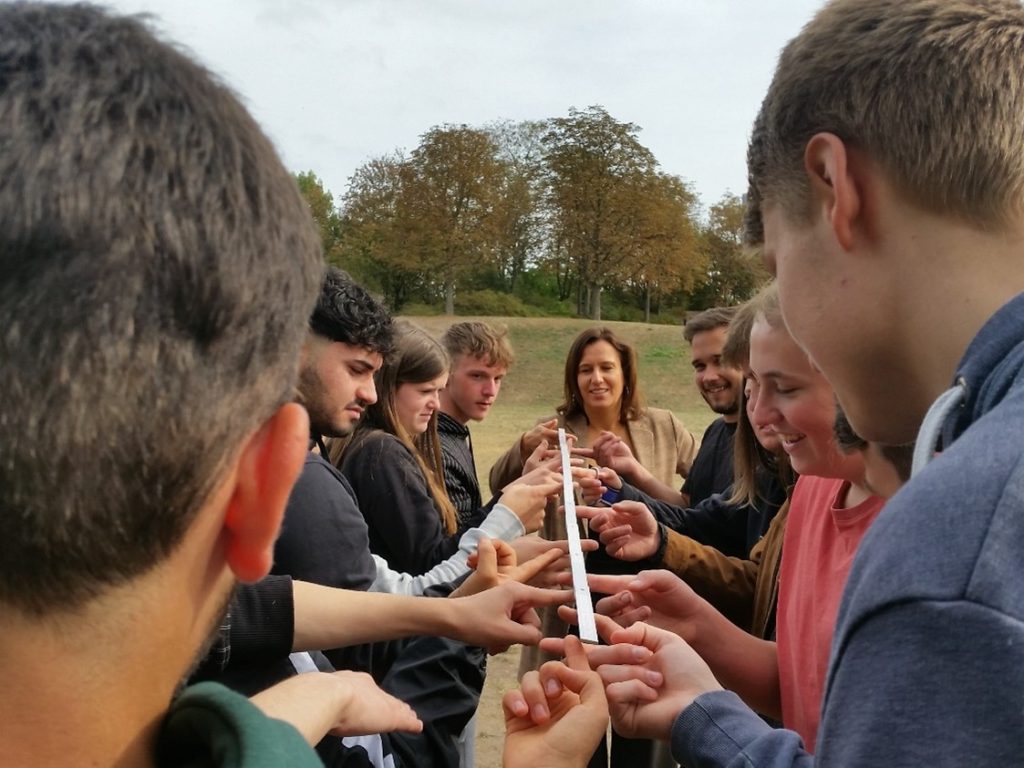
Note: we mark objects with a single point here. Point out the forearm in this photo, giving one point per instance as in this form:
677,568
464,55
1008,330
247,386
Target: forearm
310,703
742,663
728,583
501,523
329,618
644,481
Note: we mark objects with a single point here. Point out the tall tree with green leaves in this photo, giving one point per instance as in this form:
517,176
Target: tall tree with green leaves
321,206
449,197
519,212
663,255
733,274
376,229
595,167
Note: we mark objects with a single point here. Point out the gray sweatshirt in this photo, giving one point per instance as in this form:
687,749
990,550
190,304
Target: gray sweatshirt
927,663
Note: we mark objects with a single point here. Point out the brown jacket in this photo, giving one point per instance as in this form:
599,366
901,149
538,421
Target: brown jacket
745,591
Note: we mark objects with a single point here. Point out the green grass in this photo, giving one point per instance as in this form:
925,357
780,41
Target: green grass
534,385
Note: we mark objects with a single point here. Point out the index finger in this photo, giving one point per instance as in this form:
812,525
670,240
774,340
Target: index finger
527,570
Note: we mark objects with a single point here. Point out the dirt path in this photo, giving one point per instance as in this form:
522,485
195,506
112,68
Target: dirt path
490,733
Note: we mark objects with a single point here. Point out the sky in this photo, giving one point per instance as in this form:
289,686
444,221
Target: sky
337,82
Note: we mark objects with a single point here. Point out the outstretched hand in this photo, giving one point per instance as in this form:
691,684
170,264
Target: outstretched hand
610,450
645,698
341,703
527,496
503,616
659,598
557,716
546,431
628,529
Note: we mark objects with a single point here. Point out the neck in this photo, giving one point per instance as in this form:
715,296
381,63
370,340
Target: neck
604,418
96,683
85,686
731,418
971,274
449,408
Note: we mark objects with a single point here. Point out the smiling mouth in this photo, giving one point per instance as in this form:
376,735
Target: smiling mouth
789,441
716,388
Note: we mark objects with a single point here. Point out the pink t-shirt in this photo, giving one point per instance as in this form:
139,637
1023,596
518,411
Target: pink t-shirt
816,557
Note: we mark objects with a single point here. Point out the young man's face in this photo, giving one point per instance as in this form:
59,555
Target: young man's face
840,308
718,384
335,384
472,388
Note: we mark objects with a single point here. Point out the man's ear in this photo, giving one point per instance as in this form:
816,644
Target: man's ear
267,469
834,185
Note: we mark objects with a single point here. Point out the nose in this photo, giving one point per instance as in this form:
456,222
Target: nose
434,401
763,412
367,393
490,388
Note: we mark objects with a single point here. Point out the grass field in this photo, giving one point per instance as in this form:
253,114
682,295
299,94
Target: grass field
531,391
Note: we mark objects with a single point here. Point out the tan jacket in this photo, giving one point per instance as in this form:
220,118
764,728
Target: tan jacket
660,443
745,591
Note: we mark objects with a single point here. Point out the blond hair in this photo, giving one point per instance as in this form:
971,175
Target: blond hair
480,340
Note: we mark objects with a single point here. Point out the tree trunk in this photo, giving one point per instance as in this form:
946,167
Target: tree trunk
449,296
647,305
595,302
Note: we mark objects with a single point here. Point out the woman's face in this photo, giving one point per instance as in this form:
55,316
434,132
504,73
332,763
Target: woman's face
765,436
415,403
599,376
793,401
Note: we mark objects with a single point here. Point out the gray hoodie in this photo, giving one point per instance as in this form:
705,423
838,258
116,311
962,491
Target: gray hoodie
927,663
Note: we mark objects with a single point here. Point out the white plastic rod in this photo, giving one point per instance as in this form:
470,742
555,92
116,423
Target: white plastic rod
584,606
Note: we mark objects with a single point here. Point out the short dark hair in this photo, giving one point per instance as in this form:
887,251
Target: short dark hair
847,440
708,320
158,270
346,312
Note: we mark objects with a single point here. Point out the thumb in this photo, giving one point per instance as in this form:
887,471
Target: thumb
487,559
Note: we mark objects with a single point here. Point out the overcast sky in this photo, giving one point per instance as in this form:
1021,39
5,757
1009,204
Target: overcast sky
336,82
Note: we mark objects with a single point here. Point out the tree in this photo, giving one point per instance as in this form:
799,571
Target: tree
595,166
375,230
448,200
321,206
664,253
733,274
519,214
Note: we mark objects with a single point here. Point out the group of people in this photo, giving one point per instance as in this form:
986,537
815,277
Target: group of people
227,473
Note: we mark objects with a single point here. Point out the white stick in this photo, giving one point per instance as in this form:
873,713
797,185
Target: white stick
584,606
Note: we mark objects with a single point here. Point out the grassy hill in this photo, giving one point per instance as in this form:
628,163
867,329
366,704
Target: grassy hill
534,386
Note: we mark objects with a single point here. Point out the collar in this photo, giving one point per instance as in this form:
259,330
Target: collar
450,426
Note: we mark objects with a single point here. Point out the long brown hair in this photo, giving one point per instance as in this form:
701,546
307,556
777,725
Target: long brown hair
749,457
417,358
632,406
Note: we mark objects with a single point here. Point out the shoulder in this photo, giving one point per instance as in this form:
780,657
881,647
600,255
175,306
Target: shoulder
664,424
228,719
962,519
375,446
319,476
